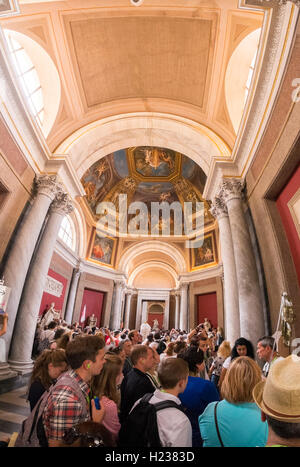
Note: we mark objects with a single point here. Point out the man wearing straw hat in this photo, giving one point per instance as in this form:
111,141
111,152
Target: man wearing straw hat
278,397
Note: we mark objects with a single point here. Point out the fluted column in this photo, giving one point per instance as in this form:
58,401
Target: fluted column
23,336
231,297
21,253
72,295
184,307
250,300
117,312
127,310
177,309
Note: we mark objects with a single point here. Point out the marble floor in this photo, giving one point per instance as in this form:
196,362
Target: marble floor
13,410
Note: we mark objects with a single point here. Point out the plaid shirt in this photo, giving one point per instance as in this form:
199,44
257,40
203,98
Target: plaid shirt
64,409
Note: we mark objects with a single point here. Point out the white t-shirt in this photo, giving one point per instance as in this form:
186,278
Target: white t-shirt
227,362
174,427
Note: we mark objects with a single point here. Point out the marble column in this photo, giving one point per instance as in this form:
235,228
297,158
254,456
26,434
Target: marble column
117,311
231,297
184,307
166,313
23,336
144,311
177,309
250,300
72,295
127,310
22,250
138,316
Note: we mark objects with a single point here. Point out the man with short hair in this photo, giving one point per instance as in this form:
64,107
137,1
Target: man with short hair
133,336
136,383
266,351
278,397
126,345
174,427
69,402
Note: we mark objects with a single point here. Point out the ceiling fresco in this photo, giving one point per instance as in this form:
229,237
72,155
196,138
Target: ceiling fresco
145,174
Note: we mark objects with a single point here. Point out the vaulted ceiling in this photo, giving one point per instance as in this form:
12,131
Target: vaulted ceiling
113,58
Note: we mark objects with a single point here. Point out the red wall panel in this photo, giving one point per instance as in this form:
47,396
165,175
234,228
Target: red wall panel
282,205
207,308
92,301
158,316
47,298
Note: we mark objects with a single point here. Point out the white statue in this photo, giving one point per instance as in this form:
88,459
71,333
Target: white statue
50,315
92,321
145,330
155,324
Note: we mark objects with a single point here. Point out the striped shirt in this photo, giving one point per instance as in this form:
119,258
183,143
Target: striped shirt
64,408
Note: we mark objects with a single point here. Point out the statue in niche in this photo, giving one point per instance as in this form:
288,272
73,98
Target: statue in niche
50,315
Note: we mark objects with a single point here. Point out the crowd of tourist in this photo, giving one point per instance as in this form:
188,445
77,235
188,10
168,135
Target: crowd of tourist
102,387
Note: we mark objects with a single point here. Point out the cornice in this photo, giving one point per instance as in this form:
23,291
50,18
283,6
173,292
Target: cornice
279,28
207,273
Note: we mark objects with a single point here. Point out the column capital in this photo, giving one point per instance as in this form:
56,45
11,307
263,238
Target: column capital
231,188
47,185
120,284
218,208
62,204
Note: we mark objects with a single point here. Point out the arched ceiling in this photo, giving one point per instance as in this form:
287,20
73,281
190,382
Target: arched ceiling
113,58
130,78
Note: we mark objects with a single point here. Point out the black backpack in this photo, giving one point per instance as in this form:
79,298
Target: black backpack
140,427
161,347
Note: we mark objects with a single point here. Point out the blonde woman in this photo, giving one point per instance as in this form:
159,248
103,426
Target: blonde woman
236,420
224,352
104,386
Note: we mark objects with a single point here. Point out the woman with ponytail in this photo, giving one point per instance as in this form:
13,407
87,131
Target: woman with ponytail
47,368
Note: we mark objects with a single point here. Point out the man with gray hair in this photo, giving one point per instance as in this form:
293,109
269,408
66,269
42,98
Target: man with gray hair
266,351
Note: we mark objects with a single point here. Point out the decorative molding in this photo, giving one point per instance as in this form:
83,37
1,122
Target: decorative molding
9,8
278,34
231,188
276,3
67,254
62,204
207,273
219,208
47,185
144,247
101,271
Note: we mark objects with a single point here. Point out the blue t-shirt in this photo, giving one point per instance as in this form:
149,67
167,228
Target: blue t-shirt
197,395
240,425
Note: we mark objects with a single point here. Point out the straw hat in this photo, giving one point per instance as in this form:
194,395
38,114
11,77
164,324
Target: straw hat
279,395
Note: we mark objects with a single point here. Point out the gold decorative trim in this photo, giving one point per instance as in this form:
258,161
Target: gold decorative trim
214,253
